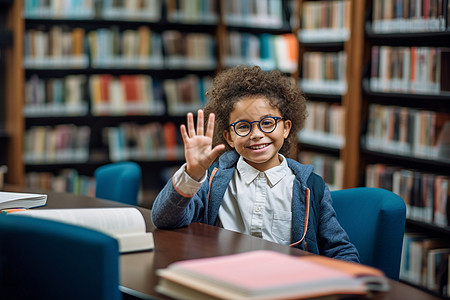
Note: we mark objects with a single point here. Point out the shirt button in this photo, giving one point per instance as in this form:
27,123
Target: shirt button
257,209
261,175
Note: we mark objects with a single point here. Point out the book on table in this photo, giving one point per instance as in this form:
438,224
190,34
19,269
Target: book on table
264,274
9,200
125,224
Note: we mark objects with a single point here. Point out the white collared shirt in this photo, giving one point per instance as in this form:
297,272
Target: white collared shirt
255,203
259,203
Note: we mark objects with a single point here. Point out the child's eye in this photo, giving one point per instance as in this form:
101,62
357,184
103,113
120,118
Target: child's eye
267,122
242,126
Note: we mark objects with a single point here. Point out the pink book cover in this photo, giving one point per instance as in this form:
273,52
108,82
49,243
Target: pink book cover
260,272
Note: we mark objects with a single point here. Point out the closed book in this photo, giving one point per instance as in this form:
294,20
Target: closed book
266,274
21,200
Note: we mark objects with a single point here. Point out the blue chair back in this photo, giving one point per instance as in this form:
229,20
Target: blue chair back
44,259
374,220
118,182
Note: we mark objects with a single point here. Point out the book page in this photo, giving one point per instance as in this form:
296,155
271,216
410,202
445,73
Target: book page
113,221
5,196
135,242
21,200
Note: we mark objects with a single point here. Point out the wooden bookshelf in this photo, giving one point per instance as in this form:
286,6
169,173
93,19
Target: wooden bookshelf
17,124
14,94
350,99
414,159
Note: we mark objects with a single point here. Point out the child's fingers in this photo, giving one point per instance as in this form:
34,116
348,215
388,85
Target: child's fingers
190,125
184,134
216,151
200,122
210,128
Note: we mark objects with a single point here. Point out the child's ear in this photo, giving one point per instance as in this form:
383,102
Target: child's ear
287,128
227,136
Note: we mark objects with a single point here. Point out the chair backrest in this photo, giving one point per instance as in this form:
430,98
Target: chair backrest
118,182
44,259
374,220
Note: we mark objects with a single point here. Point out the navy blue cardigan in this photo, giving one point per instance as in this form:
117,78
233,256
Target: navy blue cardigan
324,234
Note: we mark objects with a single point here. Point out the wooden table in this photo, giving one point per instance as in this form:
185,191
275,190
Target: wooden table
137,270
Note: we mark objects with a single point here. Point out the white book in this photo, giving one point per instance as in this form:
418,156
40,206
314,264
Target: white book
125,224
21,200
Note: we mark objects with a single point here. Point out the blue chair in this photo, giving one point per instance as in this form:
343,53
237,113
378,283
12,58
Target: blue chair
374,219
44,259
118,182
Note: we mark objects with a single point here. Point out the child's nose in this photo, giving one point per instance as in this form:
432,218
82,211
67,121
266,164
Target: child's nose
256,132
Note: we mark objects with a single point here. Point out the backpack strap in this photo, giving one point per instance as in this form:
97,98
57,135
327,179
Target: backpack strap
314,193
317,186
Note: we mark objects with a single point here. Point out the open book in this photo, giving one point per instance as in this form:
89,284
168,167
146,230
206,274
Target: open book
126,224
267,275
21,200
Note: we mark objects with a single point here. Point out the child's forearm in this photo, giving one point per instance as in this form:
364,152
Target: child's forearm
170,209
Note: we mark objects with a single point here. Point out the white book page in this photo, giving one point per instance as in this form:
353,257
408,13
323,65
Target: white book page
6,196
113,221
135,242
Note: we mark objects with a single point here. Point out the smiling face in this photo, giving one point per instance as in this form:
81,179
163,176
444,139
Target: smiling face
259,149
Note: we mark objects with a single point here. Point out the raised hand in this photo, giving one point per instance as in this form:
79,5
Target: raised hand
198,149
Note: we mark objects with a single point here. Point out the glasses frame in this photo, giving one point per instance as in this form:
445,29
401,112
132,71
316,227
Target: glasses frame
259,125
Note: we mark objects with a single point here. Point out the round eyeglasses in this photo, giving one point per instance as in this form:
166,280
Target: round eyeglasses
266,125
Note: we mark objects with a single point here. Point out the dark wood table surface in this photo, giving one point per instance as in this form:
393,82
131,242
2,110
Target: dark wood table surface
138,270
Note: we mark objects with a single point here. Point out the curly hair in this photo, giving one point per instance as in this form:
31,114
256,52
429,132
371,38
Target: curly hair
234,84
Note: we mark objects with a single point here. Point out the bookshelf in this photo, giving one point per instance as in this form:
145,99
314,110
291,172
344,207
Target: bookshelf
329,34
403,140
94,80
235,30
5,43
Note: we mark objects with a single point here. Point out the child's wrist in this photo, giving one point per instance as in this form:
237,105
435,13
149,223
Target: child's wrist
195,174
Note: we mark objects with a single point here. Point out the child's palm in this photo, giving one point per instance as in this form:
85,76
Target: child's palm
198,149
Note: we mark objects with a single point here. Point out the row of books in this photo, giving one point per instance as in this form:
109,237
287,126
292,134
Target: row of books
186,94
265,50
55,96
114,95
253,13
56,48
195,51
324,72
73,9
408,131
55,144
425,262
192,11
262,13
331,168
144,10
390,16
125,95
66,180
409,69
186,11
140,94
426,195
59,47
148,142
325,125
325,21
113,48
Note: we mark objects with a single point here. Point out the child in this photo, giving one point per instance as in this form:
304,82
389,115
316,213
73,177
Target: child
253,188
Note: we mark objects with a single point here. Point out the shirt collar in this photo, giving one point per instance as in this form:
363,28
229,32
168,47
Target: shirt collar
273,175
